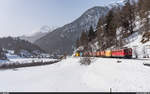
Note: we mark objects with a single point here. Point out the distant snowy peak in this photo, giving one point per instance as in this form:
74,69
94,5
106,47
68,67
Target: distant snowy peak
37,33
121,1
117,3
43,29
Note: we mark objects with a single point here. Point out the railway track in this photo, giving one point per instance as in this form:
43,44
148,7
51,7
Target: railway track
133,59
124,58
21,65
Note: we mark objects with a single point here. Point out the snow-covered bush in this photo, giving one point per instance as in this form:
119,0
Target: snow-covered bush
85,61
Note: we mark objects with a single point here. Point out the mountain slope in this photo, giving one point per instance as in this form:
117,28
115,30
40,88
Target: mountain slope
62,40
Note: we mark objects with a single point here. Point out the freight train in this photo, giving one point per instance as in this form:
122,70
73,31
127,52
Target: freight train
113,53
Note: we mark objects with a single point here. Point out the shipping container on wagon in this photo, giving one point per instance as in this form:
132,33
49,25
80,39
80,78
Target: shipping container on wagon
76,54
90,54
103,53
94,54
98,53
108,53
81,54
85,54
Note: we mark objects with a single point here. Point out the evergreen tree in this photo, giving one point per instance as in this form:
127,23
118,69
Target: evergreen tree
100,32
77,43
110,29
84,39
91,34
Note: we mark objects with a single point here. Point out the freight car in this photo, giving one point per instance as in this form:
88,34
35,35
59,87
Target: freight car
114,53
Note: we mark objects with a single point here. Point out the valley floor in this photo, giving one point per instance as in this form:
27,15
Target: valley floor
69,75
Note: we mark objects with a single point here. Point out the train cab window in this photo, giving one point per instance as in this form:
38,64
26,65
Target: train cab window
125,50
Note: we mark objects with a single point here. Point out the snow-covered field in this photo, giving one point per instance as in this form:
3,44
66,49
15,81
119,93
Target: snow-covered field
69,75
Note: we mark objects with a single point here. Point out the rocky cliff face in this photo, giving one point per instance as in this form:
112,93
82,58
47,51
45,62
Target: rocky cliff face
62,40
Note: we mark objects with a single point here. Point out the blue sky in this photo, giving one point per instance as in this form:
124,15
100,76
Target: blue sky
18,17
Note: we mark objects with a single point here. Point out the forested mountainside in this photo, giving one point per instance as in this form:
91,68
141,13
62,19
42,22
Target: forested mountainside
63,40
20,47
119,26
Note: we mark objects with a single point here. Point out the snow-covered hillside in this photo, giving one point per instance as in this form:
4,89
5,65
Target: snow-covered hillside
69,75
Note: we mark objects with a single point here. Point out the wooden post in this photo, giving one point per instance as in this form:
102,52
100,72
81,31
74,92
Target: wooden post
110,90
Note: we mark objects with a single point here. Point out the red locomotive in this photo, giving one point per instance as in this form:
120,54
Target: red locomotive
124,53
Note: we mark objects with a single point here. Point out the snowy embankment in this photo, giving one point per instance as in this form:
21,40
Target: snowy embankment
21,60
140,50
69,75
